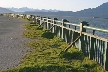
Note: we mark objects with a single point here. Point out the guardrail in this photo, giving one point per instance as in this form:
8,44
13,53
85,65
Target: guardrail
95,47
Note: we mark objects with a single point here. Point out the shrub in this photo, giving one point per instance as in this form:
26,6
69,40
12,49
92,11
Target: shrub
91,65
48,35
73,53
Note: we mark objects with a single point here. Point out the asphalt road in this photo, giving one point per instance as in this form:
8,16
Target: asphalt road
12,49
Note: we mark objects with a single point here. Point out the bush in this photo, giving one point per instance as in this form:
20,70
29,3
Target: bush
40,28
73,53
49,68
48,35
91,65
33,23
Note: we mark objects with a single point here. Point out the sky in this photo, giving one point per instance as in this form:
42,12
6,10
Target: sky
66,5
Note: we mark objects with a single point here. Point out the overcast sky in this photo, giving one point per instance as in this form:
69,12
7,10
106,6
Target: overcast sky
71,5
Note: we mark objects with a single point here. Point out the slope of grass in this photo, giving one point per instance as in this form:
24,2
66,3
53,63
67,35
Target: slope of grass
47,54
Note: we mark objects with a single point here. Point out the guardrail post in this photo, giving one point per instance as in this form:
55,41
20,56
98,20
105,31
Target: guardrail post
40,20
48,23
54,28
106,57
24,16
83,23
62,36
67,32
82,42
45,23
37,20
63,30
34,20
30,17
92,47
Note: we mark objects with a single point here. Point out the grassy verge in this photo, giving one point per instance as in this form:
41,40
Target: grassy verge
47,55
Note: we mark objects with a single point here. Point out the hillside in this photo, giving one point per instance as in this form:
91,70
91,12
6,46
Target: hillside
100,11
4,10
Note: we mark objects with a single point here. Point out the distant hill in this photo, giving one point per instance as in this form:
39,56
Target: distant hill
25,9
100,11
4,10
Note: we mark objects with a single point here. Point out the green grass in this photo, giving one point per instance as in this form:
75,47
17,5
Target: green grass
47,54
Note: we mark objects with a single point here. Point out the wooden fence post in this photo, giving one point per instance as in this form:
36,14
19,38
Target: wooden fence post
82,42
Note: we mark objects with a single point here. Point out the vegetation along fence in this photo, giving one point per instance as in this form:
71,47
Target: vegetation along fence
95,47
